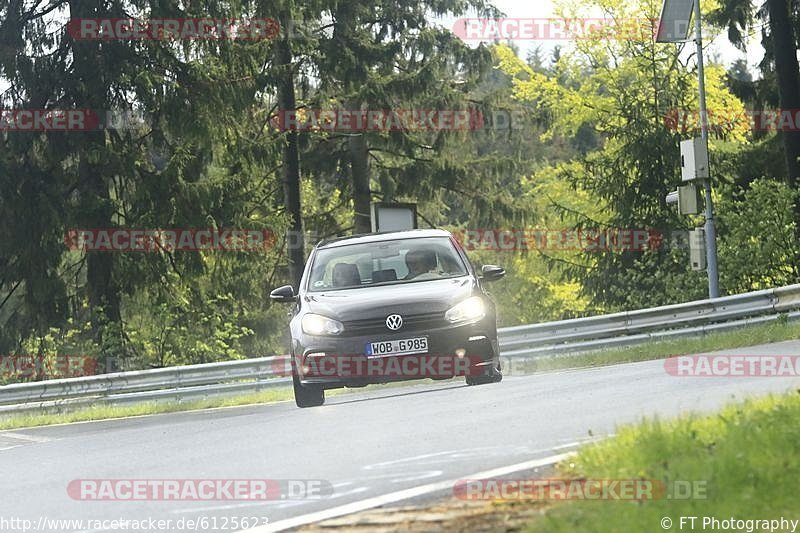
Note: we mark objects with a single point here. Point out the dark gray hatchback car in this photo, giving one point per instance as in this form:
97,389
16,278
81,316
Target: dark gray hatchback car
390,307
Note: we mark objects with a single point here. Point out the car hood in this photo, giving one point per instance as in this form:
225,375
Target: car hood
414,298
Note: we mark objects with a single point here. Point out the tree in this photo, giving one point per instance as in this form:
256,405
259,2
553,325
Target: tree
387,56
198,159
291,158
759,251
785,48
622,87
780,39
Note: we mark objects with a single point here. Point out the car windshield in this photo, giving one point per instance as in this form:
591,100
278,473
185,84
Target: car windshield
385,263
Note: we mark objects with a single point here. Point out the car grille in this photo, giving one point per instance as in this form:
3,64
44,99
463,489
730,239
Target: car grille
411,323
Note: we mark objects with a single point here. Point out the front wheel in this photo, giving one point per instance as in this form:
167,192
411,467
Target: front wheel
307,395
494,375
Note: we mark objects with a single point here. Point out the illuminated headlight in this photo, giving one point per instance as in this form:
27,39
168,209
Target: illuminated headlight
470,309
321,325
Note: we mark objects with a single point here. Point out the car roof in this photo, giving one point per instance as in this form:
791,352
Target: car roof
384,236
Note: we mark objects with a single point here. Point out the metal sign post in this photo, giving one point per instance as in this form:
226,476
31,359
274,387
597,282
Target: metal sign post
674,28
711,230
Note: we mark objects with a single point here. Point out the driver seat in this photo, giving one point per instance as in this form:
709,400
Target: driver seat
346,275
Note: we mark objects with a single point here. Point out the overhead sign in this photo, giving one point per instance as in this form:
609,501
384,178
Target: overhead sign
393,217
676,16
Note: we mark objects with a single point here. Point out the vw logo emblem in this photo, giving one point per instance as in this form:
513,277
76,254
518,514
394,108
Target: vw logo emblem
394,322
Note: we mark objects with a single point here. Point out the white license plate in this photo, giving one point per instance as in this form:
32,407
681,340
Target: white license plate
397,347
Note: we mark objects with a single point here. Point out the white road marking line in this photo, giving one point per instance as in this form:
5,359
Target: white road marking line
13,438
414,459
460,453
350,492
26,438
270,503
393,497
416,477
581,442
566,446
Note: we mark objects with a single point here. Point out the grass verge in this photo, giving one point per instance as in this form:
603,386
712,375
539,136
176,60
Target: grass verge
747,457
104,412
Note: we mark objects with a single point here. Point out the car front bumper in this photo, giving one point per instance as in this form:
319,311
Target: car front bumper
342,361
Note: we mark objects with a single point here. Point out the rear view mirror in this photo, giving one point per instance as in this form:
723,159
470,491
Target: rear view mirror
384,252
492,272
283,294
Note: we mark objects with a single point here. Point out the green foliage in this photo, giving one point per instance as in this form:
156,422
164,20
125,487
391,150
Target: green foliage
759,250
203,157
746,458
587,148
63,352
623,90
184,330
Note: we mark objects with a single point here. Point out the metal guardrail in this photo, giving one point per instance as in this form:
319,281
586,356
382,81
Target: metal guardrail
591,332
195,382
143,380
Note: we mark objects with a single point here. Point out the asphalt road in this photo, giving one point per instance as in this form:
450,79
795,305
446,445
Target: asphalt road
365,444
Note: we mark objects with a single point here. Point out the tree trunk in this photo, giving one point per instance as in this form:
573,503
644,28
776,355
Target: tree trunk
98,209
786,67
358,153
359,166
295,242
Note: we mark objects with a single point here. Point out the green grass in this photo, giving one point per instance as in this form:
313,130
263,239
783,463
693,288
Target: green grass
777,331
103,412
748,457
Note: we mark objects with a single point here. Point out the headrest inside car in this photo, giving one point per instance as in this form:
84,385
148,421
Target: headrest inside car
346,275
379,276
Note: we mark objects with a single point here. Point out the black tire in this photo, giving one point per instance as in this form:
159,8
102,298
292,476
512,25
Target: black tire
494,375
307,395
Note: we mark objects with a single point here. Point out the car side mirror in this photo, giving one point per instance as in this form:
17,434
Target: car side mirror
492,272
283,294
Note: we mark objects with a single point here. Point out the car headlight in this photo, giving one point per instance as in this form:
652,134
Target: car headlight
472,308
320,325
